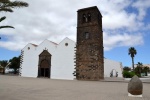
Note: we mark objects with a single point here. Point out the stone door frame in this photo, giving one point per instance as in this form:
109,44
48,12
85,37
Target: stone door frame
44,66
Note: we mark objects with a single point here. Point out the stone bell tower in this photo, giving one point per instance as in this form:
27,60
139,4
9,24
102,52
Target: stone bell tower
89,48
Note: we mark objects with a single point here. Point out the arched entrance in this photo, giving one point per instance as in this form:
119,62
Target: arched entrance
44,68
113,73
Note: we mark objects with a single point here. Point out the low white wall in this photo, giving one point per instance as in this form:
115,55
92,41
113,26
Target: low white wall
110,65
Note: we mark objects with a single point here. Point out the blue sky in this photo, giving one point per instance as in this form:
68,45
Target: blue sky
126,23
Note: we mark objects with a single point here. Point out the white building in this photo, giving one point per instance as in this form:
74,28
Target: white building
112,68
61,62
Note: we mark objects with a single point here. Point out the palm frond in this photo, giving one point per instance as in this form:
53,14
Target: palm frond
14,4
3,1
2,18
19,4
6,27
6,10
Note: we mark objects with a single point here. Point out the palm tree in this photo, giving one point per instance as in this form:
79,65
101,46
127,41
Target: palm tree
7,6
139,69
140,66
6,26
15,64
3,63
132,52
146,69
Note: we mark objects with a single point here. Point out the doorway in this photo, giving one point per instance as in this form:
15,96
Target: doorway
44,69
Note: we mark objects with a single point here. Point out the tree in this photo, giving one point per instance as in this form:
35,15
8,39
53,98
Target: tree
126,68
15,64
3,63
132,52
140,66
7,6
146,70
1,19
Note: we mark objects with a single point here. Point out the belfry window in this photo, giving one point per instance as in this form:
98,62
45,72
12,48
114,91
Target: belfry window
87,35
89,17
84,18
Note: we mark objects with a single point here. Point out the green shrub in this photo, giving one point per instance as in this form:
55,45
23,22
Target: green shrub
127,68
132,74
127,74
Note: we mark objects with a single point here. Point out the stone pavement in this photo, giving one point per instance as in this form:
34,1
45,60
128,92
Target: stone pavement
21,88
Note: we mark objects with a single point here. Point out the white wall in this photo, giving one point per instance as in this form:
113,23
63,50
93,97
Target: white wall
63,64
110,65
29,65
62,60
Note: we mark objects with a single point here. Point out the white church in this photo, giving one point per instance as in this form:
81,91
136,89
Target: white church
62,61
58,61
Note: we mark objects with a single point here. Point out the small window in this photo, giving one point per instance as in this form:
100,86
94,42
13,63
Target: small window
87,35
84,18
66,44
28,48
89,17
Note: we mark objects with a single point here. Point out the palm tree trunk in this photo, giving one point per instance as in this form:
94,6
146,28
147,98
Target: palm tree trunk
15,71
4,70
133,63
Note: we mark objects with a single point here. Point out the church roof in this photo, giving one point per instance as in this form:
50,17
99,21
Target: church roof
89,8
53,42
94,7
34,45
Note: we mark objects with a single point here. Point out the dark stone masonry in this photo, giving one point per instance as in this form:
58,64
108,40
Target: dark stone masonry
89,48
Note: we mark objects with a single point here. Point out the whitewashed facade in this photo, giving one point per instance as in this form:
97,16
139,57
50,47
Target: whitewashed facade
112,67
62,60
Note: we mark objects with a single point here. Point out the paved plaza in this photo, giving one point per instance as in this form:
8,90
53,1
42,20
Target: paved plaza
21,88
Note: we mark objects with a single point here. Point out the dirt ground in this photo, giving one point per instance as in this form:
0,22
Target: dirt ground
21,88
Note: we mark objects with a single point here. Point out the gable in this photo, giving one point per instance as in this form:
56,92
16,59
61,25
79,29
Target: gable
45,53
29,46
66,42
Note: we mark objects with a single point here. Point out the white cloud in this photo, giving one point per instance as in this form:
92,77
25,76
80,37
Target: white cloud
11,45
111,41
141,6
119,21
57,19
